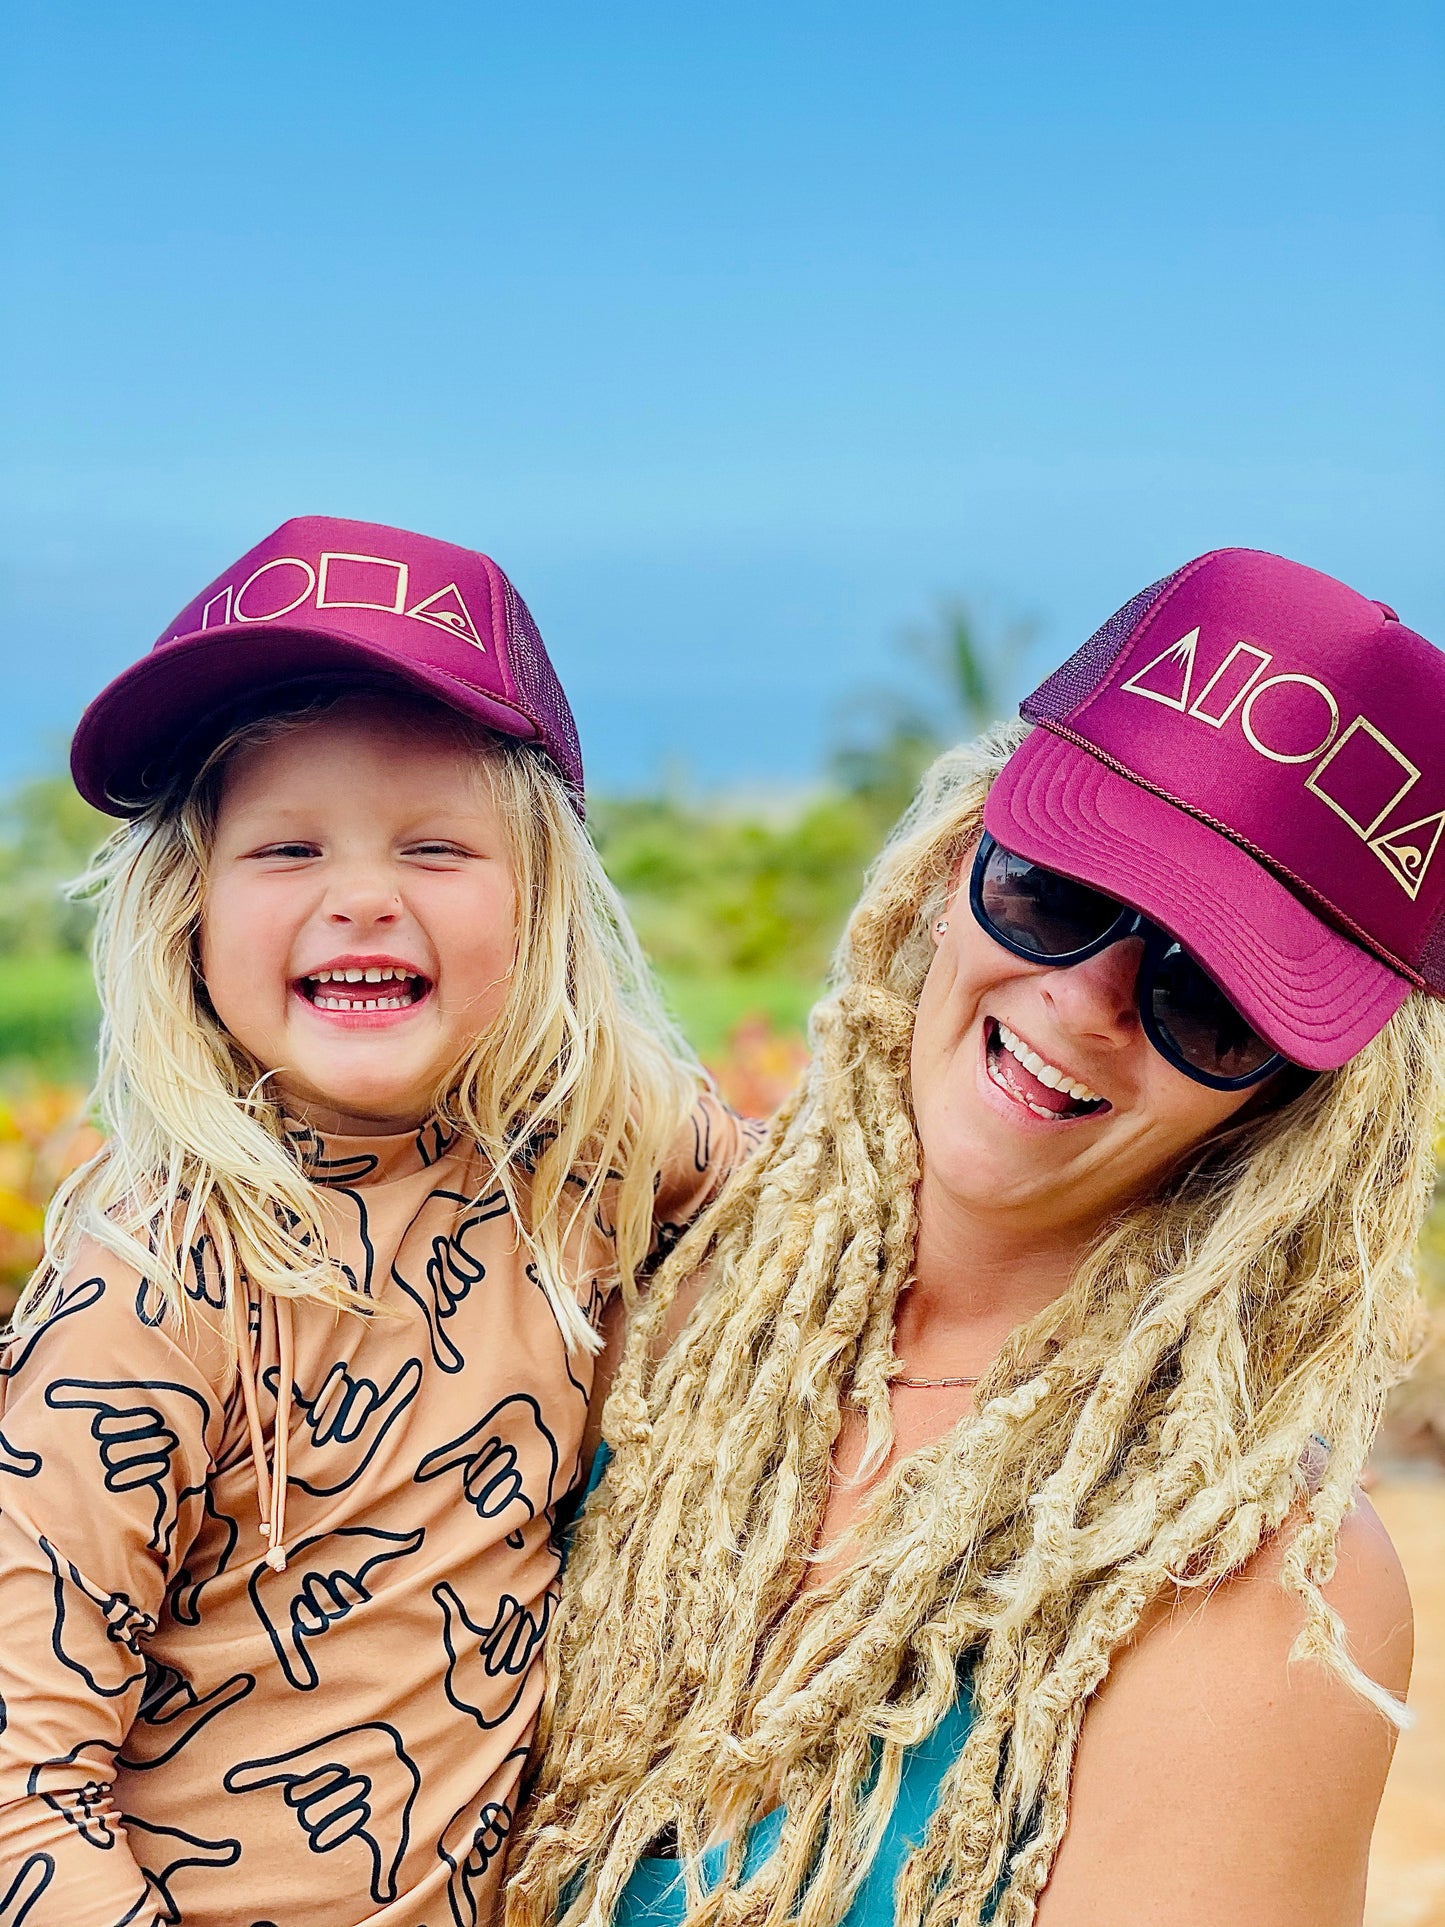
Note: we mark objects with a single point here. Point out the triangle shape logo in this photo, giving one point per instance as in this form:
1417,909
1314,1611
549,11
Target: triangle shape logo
1167,679
1406,853
447,610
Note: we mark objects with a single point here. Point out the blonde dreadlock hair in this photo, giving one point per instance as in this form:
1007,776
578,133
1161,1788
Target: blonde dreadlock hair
1147,1430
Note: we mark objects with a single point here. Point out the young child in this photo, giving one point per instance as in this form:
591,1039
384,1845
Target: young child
287,1416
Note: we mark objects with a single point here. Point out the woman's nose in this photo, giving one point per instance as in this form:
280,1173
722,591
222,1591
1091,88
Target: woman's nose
1099,996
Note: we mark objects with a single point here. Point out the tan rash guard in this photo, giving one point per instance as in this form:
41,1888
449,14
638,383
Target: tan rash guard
190,1735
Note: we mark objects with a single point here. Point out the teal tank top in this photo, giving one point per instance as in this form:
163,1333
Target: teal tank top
655,1896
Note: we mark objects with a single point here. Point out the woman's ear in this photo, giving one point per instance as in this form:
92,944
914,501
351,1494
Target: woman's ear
955,903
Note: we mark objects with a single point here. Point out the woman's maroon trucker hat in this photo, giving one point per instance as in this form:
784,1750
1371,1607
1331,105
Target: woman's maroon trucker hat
1253,755
322,601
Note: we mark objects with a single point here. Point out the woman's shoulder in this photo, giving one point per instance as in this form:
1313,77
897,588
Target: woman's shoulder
1368,1590
1218,1778
1248,1617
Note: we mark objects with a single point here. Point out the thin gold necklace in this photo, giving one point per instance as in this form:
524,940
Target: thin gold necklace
931,1384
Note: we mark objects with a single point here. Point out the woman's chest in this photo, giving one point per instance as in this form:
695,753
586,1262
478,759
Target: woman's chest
854,1481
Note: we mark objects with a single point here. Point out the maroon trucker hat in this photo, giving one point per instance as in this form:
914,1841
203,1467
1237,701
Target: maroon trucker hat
320,601
1253,755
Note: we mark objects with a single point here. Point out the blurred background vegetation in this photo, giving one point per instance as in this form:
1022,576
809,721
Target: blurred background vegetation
738,900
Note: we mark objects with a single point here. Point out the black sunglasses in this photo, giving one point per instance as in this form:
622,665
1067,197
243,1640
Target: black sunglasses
1051,919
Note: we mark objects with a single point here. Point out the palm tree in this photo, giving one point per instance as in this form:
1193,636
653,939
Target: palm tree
887,737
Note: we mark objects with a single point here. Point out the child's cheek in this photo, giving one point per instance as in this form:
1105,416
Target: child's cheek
242,950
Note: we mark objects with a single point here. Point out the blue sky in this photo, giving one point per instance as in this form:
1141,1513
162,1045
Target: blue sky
737,334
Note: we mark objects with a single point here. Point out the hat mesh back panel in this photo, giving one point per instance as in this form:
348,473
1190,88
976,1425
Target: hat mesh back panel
1081,675
539,688
1432,959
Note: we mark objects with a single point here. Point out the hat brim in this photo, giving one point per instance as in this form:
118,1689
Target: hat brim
161,715
1308,989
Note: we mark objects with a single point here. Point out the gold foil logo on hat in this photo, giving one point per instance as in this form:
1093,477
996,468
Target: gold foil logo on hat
1406,853
340,580
1358,772
1166,680
448,610
357,574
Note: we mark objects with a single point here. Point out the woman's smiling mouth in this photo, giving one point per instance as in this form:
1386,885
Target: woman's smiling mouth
1029,1079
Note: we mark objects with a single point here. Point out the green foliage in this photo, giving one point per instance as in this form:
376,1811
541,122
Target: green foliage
48,1013
47,835
732,895
889,736
711,1008
47,1000
1432,1239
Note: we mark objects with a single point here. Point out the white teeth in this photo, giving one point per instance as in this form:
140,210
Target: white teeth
1039,1067
362,1003
396,974
373,974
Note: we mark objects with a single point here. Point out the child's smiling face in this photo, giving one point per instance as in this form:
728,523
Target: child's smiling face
360,922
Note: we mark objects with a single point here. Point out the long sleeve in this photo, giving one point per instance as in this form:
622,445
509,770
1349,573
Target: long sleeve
711,1145
105,1417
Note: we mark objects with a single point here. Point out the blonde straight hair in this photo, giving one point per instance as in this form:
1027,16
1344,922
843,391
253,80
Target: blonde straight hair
580,1082
1147,1430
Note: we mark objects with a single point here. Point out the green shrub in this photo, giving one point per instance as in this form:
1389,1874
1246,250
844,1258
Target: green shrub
721,895
48,1013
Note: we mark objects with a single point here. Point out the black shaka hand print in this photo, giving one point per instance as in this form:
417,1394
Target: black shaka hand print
325,1579
136,1443
356,1785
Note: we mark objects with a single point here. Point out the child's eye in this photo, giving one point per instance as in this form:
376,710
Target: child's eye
288,852
435,850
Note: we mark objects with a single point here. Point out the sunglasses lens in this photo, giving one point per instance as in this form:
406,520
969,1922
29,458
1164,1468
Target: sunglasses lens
1038,911
1200,1022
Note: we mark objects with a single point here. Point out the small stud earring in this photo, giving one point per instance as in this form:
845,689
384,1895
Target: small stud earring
941,925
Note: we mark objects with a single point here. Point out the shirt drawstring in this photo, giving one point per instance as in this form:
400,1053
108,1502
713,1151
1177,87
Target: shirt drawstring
286,1359
270,1483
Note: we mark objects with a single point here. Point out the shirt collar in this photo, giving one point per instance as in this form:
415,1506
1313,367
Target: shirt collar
336,1158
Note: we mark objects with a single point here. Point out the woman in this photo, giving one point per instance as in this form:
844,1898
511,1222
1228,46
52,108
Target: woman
952,1561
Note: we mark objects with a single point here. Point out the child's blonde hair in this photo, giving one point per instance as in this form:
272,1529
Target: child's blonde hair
1147,1430
581,1081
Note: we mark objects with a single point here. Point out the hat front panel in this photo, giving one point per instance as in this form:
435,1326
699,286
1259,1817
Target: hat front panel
325,600
419,600
1279,705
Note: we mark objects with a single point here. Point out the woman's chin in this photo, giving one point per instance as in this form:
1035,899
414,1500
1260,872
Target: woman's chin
991,1160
